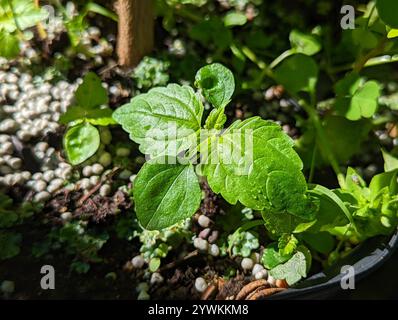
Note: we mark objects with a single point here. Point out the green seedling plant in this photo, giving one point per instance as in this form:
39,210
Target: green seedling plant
16,17
82,138
167,189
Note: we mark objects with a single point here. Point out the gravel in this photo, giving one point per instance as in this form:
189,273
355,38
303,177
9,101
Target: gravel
247,264
200,284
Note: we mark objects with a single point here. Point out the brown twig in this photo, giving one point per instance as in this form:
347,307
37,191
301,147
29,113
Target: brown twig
97,186
177,262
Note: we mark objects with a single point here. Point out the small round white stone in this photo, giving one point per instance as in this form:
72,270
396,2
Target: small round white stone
214,250
247,264
66,216
48,175
85,183
42,196
105,190
200,284
87,171
97,169
138,262
201,244
203,221
40,186
257,268
262,274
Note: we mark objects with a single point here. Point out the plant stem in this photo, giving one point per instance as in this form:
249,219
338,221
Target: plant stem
282,57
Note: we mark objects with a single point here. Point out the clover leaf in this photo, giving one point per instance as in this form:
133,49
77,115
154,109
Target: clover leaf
356,98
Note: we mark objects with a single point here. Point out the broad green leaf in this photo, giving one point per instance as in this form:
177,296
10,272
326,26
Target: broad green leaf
81,142
304,43
164,121
100,117
293,270
9,45
235,19
165,194
390,162
298,73
322,242
387,10
253,162
356,99
91,93
24,12
217,84
393,33
272,257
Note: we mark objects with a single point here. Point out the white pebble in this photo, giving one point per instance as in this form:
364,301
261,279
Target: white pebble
247,264
94,180
214,250
201,244
203,221
257,268
97,169
85,183
66,216
87,171
40,186
105,190
138,262
6,148
42,146
42,196
200,284
48,175
261,274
